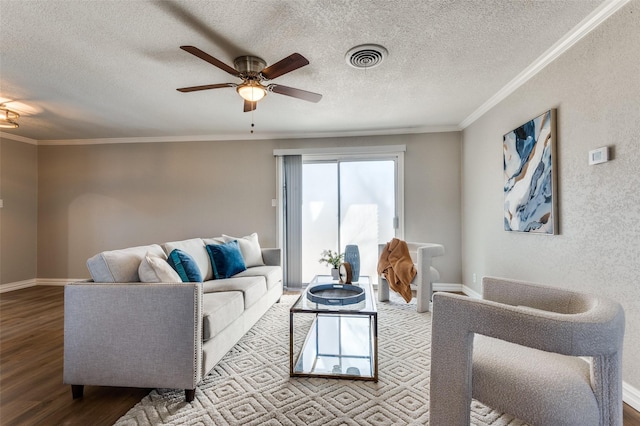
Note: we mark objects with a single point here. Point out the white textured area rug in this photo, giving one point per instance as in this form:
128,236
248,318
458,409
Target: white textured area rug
251,384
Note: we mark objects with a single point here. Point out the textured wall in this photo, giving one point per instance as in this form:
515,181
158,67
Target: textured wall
596,90
19,216
432,198
101,197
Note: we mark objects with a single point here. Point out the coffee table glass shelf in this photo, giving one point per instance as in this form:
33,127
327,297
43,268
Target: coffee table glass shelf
341,336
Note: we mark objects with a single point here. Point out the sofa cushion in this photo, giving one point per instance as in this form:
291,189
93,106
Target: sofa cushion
185,266
252,288
226,259
156,269
195,247
272,274
220,309
250,248
120,266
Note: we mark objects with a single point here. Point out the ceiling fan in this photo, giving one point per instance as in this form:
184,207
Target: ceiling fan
254,71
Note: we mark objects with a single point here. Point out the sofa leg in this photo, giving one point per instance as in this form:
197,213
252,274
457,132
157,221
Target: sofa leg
189,394
77,391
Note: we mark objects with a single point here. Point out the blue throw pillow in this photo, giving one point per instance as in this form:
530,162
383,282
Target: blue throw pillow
185,266
226,259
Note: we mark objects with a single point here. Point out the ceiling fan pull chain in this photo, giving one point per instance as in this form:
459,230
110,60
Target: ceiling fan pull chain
252,125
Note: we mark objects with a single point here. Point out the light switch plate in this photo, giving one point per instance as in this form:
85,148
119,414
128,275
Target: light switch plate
600,155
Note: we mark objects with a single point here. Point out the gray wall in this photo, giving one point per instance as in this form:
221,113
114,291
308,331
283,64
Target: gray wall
596,90
102,197
18,217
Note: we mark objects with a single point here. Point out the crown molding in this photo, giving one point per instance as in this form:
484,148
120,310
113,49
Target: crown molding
597,17
255,136
5,135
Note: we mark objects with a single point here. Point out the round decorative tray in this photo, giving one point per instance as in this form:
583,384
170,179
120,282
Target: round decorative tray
336,294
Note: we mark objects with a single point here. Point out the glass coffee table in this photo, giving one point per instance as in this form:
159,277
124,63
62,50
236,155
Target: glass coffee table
341,338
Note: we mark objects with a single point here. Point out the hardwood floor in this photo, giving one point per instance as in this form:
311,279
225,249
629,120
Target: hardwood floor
31,357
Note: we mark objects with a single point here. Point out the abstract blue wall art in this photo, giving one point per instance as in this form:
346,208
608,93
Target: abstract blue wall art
529,176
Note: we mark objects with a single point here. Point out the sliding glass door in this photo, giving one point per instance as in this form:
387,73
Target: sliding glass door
347,201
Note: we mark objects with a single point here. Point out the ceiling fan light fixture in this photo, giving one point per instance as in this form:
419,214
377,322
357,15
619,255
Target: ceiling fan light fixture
251,91
8,118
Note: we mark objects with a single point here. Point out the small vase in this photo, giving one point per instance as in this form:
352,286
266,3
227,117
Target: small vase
352,256
335,274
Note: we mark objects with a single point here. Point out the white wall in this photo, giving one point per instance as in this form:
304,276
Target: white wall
595,87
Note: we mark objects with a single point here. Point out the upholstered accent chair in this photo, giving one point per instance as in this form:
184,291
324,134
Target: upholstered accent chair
545,355
421,254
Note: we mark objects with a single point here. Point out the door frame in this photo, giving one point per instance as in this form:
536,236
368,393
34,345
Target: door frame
355,153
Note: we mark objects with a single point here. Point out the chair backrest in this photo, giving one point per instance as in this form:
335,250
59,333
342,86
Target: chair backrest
594,324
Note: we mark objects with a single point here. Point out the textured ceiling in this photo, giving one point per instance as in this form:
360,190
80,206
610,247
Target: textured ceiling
110,69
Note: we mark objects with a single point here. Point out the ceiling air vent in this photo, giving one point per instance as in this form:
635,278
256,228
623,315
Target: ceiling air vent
366,56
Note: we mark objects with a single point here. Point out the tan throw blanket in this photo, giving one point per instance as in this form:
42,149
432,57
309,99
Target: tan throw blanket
396,265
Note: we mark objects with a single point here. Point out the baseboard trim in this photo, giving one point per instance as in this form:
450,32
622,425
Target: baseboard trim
631,396
58,281
471,293
17,285
447,287
37,281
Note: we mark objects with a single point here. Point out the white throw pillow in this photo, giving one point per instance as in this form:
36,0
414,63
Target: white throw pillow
120,266
195,248
250,249
213,241
155,269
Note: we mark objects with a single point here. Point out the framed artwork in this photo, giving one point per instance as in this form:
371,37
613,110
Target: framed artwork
530,176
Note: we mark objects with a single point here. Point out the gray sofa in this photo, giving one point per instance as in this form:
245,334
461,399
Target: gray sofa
119,331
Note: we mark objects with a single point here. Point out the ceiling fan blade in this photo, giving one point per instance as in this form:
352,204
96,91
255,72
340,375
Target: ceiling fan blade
205,87
249,106
288,64
293,92
213,61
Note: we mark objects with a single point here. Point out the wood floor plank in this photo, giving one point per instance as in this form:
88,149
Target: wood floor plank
31,361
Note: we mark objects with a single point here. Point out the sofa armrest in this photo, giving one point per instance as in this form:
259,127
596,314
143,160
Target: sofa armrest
272,256
133,334
424,254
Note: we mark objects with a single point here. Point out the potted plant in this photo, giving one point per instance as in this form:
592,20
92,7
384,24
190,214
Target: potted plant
333,259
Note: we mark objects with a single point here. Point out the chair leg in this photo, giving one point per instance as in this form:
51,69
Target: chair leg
383,290
189,394
77,391
423,297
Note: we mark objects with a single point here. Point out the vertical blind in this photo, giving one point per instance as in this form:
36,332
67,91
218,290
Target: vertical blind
292,220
